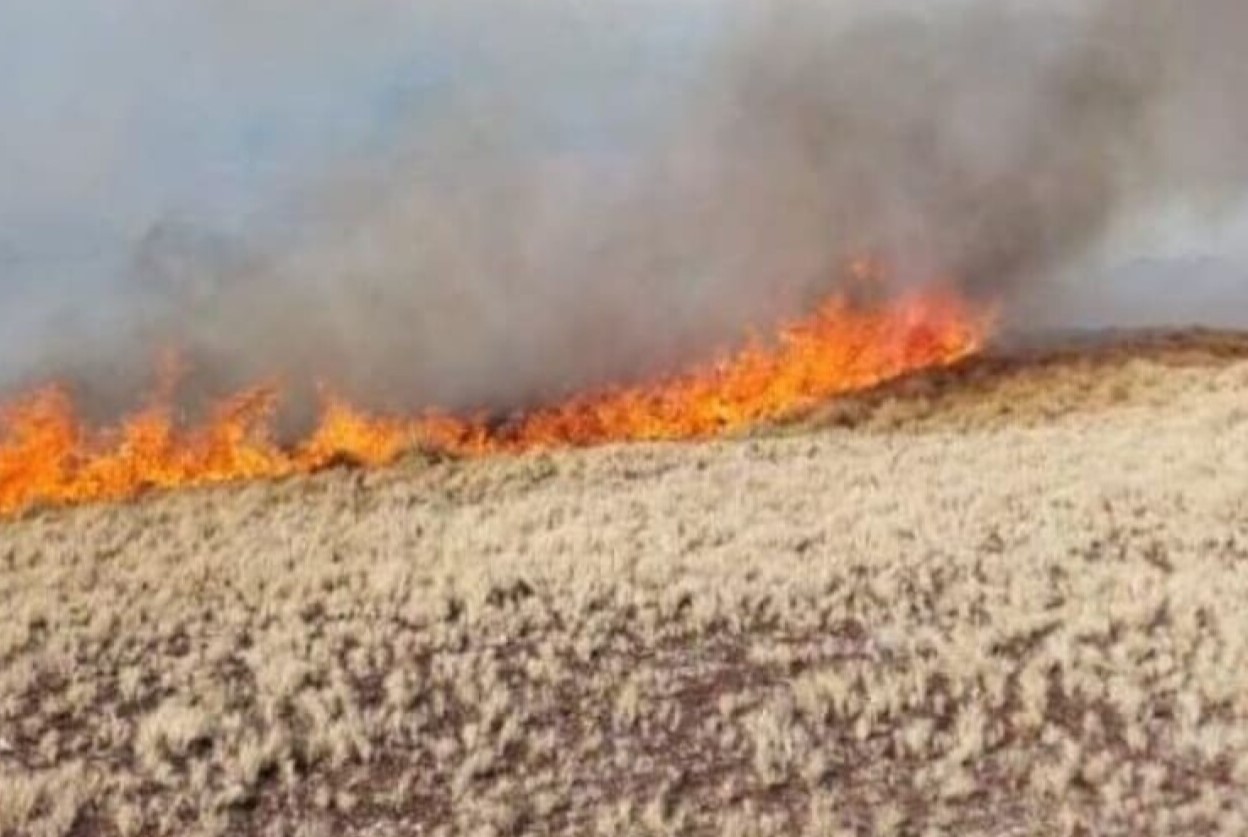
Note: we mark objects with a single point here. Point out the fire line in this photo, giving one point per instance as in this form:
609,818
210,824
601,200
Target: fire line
49,456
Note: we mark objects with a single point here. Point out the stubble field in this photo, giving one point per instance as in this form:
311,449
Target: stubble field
1007,598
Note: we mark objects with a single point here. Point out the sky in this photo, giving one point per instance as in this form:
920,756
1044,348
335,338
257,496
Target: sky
118,115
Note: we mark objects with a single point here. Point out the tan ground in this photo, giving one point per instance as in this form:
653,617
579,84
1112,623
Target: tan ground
1011,598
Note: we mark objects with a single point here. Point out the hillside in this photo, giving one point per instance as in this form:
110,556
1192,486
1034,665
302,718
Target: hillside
1002,598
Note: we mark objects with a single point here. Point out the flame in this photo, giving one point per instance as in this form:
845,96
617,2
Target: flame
48,455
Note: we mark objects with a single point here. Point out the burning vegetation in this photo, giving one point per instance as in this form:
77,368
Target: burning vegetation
1008,148
49,455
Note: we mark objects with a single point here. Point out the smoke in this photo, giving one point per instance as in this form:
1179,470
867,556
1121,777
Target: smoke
576,205
1005,145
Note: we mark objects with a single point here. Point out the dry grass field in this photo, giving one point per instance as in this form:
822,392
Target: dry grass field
1010,598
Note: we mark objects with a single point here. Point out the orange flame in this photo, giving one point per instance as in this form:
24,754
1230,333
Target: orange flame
48,455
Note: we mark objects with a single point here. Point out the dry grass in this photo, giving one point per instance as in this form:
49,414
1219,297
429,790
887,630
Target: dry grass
1007,599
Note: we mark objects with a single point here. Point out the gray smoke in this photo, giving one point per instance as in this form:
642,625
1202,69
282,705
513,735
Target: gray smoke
1010,146
996,143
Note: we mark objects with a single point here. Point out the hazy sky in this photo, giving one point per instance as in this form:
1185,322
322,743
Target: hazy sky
119,114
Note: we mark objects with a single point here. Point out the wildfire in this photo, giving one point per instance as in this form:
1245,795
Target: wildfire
48,455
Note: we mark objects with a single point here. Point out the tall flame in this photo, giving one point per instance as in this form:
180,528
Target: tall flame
49,456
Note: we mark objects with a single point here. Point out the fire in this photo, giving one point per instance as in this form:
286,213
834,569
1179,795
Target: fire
48,455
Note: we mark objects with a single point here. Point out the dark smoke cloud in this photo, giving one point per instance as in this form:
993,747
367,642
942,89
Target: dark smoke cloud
996,143
1002,144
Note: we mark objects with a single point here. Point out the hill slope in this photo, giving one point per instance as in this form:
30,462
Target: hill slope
1005,597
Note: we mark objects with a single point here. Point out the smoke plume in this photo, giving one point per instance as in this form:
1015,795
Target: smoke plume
494,254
